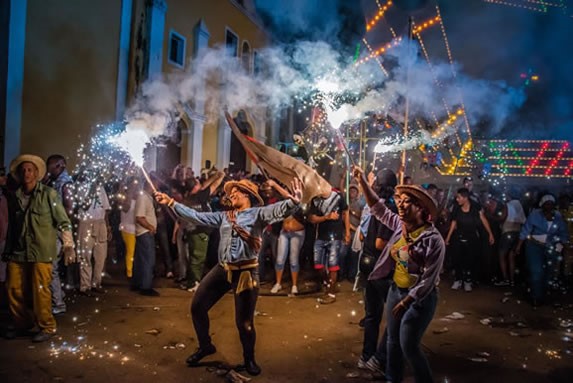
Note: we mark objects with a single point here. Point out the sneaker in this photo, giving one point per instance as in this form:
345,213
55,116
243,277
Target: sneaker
43,336
59,310
503,283
362,363
169,275
194,288
457,285
327,299
276,288
294,290
374,366
467,287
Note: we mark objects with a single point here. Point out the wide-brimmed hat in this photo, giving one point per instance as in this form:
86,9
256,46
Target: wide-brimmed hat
422,196
246,186
37,161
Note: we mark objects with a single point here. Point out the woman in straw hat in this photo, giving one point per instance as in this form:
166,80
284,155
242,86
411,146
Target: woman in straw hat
414,254
240,230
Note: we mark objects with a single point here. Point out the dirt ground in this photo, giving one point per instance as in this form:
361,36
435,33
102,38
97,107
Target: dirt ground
124,337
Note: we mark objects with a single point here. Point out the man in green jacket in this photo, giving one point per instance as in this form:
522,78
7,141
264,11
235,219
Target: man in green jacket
35,214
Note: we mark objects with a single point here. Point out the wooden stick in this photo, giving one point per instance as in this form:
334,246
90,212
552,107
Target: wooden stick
148,179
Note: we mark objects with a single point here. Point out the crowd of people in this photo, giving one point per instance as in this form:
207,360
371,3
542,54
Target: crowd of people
217,231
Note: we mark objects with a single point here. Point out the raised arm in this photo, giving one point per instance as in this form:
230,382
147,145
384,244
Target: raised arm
280,210
188,214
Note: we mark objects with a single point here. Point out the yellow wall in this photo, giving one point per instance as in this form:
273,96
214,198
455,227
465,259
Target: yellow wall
70,72
183,15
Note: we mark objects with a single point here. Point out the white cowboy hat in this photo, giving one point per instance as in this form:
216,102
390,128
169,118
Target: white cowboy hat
37,161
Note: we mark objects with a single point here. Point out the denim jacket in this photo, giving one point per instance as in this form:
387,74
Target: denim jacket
536,224
232,248
427,253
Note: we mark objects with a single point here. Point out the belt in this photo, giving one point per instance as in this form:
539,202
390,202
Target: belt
246,281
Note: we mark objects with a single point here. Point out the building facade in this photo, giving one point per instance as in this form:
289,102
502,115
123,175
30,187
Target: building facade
67,66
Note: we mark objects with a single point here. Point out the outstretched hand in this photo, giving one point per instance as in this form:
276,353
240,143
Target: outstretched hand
162,198
296,187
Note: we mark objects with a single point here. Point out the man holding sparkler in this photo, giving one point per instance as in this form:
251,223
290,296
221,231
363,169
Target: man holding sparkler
241,230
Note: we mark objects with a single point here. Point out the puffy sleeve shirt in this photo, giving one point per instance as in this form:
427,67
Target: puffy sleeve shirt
232,248
426,252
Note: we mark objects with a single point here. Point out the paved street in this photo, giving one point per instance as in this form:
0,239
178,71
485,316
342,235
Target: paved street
124,337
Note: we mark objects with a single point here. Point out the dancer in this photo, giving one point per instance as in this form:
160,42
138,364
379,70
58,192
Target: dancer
240,230
416,253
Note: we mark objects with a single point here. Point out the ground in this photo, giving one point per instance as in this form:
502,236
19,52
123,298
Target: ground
124,337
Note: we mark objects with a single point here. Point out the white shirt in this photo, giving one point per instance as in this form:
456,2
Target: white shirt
128,219
98,203
144,208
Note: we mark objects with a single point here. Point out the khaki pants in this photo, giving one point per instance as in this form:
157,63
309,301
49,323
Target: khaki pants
29,295
92,252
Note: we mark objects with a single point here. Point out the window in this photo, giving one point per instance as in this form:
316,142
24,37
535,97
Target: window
246,57
232,43
256,63
176,54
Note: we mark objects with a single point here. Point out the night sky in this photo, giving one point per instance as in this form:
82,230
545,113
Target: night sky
488,41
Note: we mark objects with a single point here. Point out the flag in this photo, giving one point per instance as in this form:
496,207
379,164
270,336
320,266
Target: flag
281,166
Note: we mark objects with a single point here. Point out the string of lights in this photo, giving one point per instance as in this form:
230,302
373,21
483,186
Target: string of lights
516,5
377,59
379,15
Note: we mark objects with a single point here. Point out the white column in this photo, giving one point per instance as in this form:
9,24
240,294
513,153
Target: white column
223,144
201,44
14,77
156,10
123,58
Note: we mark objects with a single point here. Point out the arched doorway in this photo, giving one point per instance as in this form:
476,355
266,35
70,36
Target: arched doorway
238,156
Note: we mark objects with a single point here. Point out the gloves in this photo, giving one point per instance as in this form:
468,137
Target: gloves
68,244
67,239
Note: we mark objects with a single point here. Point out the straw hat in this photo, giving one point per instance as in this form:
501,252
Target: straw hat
244,185
422,196
37,161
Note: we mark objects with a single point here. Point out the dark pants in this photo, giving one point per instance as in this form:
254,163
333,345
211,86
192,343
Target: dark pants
375,296
212,288
165,247
540,263
143,261
465,258
269,240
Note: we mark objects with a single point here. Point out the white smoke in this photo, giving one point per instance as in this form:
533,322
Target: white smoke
315,71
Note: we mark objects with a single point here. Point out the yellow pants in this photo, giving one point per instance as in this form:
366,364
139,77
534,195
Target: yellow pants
129,240
29,295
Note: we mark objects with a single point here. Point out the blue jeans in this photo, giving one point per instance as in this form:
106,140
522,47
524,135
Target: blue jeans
326,254
375,295
290,244
143,261
540,261
405,335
